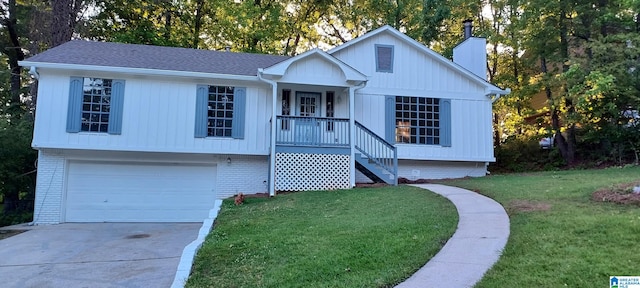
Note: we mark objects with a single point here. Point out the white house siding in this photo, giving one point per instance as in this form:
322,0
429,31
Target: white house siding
418,74
158,116
471,135
414,72
341,107
244,173
413,169
314,71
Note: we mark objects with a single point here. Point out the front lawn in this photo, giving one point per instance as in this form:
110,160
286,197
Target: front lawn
366,237
559,236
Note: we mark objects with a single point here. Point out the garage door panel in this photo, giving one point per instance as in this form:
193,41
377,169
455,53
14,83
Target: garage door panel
139,192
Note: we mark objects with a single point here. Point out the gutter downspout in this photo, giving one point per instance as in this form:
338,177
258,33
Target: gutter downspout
34,73
352,129
272,145
498,93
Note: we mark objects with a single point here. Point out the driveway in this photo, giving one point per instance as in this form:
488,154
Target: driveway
95,255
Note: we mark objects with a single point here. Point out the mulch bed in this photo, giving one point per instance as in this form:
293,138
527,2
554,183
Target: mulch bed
526,206
621,194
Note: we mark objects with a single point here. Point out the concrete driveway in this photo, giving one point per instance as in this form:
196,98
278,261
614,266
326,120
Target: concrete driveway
95,255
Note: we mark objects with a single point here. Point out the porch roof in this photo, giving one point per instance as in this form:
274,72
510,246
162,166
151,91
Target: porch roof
352,76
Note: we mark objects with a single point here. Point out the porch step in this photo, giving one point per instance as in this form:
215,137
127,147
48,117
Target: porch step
372,170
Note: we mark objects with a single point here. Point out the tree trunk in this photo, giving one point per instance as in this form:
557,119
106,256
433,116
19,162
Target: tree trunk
555,118
197,24
570,151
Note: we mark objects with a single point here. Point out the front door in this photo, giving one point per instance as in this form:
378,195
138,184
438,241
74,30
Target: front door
307,130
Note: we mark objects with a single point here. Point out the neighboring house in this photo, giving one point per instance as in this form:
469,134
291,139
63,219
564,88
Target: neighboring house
138,133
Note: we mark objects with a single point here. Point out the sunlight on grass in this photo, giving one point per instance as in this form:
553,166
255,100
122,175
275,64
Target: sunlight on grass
367,237
562,237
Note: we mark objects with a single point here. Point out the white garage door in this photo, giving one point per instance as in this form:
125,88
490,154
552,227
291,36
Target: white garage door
138,192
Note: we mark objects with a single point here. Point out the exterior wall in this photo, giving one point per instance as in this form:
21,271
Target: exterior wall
341,107
414,72
471,54
49,187
158,116
361,178
471,134
246,174
414,170
314,70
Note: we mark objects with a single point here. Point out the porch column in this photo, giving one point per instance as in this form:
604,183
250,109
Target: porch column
352,136
274,125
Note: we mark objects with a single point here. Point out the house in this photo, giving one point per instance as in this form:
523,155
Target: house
135,133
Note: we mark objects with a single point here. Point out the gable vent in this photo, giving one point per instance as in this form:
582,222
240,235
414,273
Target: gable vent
384,58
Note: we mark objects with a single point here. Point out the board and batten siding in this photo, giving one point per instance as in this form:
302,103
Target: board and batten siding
471,134
414,71
158,116
314,71
418,74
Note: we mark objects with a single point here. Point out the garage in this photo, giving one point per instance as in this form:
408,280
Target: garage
138,192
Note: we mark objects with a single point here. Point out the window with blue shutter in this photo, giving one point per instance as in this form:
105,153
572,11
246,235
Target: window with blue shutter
202,98
220,111
445,122
74,112
418,120
390,119
384,58
239,106
95,105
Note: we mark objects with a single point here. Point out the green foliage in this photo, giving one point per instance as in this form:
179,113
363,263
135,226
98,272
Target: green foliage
522,153
368,237
17,160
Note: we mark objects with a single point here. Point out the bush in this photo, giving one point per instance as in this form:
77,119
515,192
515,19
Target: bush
521,153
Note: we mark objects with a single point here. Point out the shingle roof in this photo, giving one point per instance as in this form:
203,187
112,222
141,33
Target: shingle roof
156,57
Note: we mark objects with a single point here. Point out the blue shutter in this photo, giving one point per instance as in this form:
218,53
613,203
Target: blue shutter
239,106
115,109
202,111
74,112
445,122
390,119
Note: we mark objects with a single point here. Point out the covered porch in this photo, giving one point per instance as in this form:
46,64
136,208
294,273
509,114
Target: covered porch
315,142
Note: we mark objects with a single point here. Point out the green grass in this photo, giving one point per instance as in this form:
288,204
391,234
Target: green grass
576,242
366,237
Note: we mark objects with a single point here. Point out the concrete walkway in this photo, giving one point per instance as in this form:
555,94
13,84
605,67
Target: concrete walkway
483,230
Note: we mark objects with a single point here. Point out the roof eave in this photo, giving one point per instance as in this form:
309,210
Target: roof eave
137,71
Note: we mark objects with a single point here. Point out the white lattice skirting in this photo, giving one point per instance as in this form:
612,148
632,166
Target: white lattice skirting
303,172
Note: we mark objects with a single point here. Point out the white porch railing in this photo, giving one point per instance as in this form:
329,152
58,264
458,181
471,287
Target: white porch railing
312,131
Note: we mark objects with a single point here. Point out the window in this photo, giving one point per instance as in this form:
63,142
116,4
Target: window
384,58
286,110
220,111
95,105
418,120
330,111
